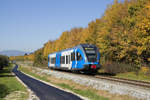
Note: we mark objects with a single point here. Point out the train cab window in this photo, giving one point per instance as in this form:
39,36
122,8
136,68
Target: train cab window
62,60
91,54
79,57
72,56
67,60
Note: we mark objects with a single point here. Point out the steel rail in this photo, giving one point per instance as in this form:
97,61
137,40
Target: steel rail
123,80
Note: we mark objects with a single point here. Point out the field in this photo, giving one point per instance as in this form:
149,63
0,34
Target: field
10,87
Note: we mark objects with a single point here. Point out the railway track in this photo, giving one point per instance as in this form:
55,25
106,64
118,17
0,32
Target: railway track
127,81
116,79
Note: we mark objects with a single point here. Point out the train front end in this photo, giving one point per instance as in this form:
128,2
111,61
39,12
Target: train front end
91,58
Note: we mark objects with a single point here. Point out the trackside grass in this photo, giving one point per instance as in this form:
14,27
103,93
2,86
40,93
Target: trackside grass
132,75
87,93
91,94
10,87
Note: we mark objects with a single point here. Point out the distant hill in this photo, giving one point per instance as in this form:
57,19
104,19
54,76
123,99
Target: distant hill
12,53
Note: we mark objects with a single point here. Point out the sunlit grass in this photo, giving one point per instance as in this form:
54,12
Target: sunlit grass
87,93
9,84
134,76
25,70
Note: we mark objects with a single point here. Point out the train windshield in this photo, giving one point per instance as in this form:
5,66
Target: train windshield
91,54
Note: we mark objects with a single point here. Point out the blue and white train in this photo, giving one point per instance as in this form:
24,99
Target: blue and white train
81,58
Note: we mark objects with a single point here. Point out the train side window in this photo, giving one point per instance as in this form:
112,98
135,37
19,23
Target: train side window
49,60
79,57
54,60
72,56
66,59
62,60
69,59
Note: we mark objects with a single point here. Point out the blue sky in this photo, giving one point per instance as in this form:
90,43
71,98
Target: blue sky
27,24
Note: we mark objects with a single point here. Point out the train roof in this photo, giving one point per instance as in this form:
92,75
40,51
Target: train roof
87,45
78,46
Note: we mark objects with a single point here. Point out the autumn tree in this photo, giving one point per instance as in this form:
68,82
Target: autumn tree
122,34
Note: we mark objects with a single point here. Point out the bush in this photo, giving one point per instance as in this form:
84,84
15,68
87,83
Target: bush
115,68
39,60
4,61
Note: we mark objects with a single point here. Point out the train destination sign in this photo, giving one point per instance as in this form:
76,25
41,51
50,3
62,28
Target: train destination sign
90,50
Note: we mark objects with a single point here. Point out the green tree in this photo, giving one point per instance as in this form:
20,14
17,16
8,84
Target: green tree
4,61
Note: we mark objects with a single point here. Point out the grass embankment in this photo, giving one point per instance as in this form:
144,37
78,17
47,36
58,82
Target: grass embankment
66,84
134,76
140,75
10,87
143,74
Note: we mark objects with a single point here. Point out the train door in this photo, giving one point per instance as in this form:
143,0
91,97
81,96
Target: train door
68,60
75,58
52,59
73,62
63,60
79,59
